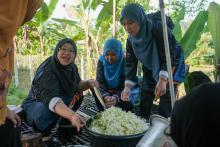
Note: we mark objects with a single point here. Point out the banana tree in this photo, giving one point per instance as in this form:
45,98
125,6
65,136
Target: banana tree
81,19
193,33
84,30
214,28
40,22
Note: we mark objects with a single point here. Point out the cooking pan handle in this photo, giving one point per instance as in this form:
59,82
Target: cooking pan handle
98,98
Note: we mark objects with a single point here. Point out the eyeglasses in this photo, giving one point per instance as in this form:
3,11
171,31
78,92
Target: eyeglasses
62,49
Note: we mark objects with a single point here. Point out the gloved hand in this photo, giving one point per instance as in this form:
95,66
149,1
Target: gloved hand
160,88
126,94
110,101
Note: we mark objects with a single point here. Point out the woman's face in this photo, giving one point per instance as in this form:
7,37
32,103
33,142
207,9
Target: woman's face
66,54
111,57
131,27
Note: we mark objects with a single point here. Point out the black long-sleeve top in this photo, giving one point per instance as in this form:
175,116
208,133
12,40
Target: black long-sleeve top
148,82
103,84
46,86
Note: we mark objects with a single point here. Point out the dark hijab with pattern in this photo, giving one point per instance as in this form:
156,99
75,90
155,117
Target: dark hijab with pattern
195,121
143,43
66,75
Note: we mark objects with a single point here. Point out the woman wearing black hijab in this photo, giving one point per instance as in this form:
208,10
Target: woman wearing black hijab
56,85
195,120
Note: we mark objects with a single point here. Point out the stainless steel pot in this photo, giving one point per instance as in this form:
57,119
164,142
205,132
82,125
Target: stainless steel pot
157,134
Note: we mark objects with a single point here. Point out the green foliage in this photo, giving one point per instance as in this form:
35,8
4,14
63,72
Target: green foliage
106,14
204,54
65,21
177,17
188,42
45,12
191,6
15,95
213,25
95,3
86,3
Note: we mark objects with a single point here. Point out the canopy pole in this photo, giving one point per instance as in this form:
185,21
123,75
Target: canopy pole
167,51
114,16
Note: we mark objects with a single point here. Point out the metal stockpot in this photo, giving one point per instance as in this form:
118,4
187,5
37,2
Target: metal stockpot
156,135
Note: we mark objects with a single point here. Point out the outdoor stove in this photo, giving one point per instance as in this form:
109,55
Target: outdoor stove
87,109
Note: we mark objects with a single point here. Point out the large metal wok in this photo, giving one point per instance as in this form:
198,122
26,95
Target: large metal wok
102,140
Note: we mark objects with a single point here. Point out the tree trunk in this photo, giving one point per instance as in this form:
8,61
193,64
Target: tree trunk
15,62
82,68
30,67
26,40
217,79
42,52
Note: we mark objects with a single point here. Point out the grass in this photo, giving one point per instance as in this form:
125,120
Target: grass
16,95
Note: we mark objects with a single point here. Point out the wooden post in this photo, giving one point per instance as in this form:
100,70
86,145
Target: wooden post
15,62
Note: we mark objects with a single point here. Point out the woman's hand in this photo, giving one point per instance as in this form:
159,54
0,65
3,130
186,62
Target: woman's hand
110,101
160,88
126,94
93,83
64,111
11,115
77,121
86,84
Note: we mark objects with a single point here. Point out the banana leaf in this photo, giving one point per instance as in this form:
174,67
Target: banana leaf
214,26
105,13
46,11
192,35
177,29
